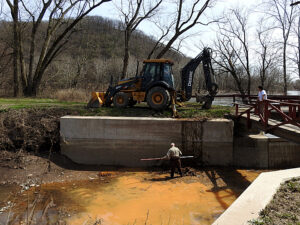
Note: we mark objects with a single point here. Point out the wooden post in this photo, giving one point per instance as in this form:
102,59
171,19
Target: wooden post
294,112
266,113
290,111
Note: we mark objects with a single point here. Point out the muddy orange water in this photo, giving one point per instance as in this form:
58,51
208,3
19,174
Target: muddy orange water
134,198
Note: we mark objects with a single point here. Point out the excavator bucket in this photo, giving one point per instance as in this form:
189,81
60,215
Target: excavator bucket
97,100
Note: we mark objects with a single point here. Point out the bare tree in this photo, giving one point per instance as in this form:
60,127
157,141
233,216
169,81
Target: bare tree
295,3
283,14
60,18
298,46
133,13
227,60
295,57
164,31
14,8
235,34
268,52
184,20
5,56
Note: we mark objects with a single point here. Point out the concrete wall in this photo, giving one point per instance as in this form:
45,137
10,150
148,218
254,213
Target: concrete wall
125,140
260,151
255,198
283,154
217,142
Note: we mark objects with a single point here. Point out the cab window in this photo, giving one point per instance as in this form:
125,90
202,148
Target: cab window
167,74
151,71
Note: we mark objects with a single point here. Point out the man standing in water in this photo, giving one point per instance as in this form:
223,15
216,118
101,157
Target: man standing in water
174,156
262,95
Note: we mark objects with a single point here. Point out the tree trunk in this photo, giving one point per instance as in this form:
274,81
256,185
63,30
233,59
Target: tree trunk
16,52
284,69
31,61
126,54
167,47
263,78
238,83
263,72
298,64
249,85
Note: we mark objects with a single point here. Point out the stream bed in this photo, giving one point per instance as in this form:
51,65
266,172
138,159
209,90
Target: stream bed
133,198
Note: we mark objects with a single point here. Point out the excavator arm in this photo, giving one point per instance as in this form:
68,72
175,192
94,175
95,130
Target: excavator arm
187,79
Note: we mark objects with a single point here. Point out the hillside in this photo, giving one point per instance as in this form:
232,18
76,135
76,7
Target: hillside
93,54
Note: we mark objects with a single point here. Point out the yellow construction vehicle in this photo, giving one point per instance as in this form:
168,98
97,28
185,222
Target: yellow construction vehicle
155,85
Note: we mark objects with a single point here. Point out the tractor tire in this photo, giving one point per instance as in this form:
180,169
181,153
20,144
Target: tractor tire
158,98
121,100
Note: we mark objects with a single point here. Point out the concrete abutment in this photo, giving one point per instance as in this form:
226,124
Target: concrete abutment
123,141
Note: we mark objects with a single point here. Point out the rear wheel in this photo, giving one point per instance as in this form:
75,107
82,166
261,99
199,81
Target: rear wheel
121,100
158,98
207,102
207,105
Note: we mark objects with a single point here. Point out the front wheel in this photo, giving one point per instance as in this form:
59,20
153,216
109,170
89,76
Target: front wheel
158,98
121,100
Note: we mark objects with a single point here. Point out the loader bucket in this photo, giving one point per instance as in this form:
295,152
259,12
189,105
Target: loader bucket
97,100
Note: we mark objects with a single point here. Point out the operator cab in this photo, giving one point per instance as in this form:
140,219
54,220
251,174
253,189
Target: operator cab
157,70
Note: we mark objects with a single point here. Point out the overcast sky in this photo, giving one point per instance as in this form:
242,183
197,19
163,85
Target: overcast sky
202,35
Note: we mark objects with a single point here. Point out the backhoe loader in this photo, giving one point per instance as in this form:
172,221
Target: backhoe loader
155,85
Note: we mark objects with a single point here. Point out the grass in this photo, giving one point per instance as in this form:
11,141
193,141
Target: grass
21,103
284,207
189,110
293,186
194,110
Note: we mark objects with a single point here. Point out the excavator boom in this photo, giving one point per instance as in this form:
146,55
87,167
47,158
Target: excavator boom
187,78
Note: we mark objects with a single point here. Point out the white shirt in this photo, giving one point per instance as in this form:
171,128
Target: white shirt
174,151
262,95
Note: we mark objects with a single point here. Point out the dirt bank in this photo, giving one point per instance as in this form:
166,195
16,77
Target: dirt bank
29,148
31,129
23,168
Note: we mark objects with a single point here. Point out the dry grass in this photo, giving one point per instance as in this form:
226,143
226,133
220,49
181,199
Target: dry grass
71,95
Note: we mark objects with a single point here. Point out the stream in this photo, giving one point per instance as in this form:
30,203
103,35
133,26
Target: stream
117,198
